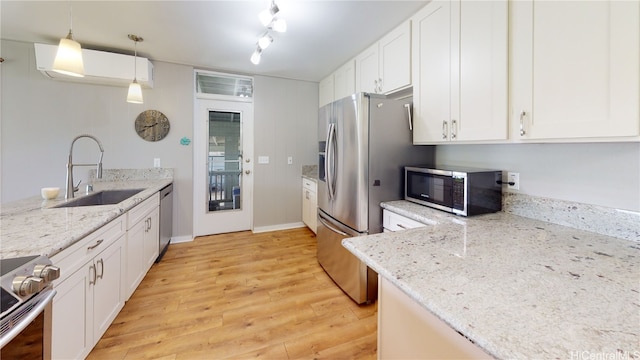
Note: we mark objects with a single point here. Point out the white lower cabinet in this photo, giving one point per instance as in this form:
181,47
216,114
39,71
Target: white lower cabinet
89,298
98,274
406,330
310,204
142,242
393,222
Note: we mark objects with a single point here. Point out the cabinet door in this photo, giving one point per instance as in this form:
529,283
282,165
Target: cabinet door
345,80
325,91
431,73
151,240
479,97
135,269
395,59
313,211
71,321
367,78
406,330
575,69
108,299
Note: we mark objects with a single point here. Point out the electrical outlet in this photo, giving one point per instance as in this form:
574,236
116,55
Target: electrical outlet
290,160
513,178
156,162
263,159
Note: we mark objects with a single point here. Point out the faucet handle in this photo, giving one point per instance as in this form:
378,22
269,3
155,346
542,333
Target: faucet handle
77,187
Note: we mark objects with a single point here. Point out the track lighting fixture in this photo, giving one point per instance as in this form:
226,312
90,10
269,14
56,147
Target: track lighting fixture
134,95
255,57
272,23
267,15
68,58
265,41
278,25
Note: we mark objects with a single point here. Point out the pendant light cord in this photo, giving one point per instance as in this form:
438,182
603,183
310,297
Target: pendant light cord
135,60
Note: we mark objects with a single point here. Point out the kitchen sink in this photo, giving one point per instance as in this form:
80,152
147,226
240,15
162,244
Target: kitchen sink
105,197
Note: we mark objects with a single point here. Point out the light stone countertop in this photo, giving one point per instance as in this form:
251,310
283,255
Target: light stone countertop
519,288
310,172
33,227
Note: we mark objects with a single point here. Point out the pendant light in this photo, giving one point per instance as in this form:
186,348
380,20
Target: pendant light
135,91
68,59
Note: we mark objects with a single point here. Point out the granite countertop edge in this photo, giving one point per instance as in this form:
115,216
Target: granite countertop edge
397,256
33,226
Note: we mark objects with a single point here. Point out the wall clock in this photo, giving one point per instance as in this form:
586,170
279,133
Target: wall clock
152,125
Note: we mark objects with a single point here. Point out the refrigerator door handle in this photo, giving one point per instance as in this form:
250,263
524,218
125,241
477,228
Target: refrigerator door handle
330,161
325,223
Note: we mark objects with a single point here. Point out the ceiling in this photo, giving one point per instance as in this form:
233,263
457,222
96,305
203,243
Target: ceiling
219,35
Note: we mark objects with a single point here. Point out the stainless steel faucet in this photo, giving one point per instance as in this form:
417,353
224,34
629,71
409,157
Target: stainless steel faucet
70,188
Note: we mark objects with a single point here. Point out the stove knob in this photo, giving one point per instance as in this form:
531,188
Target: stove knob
48,273
27,285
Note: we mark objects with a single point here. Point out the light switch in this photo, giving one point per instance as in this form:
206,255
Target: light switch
263,159
156,162
290,160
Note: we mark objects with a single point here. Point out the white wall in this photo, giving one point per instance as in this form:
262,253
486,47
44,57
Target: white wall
606,174
286,118
40,117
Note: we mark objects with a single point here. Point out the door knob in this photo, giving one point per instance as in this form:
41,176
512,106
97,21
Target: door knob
248,160
247,172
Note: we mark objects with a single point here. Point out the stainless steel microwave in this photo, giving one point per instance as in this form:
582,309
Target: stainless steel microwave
458,190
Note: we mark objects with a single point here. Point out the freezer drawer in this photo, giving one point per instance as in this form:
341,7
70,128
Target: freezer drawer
347,271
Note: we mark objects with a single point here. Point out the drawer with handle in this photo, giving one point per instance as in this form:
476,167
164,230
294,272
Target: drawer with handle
394,222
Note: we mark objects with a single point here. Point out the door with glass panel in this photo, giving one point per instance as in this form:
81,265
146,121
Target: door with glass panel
223,166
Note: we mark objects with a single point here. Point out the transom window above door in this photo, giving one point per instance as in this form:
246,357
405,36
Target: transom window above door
220,85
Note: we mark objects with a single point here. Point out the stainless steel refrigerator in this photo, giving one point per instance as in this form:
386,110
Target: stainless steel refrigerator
364,143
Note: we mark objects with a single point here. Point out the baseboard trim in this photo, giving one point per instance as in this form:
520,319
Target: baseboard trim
181,239
261,229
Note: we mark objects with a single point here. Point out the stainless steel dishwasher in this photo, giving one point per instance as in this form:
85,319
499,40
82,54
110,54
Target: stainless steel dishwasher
166,219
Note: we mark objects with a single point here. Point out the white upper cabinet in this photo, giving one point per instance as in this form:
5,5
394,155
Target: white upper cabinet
460,73
325,91
344,80
340,84
574,69
385,67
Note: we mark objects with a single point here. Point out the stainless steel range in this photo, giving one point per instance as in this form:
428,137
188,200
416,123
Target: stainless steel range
27,294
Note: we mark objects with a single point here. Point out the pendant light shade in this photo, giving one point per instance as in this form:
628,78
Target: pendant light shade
134,95
68,59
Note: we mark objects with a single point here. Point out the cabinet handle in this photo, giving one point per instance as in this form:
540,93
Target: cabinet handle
445,129
522,115
306,195
150,222
92,267
379,90
401,226
454,129
375,85
95,245
408,107
101,268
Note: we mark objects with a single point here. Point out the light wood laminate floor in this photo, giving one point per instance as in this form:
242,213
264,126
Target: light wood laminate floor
241,296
